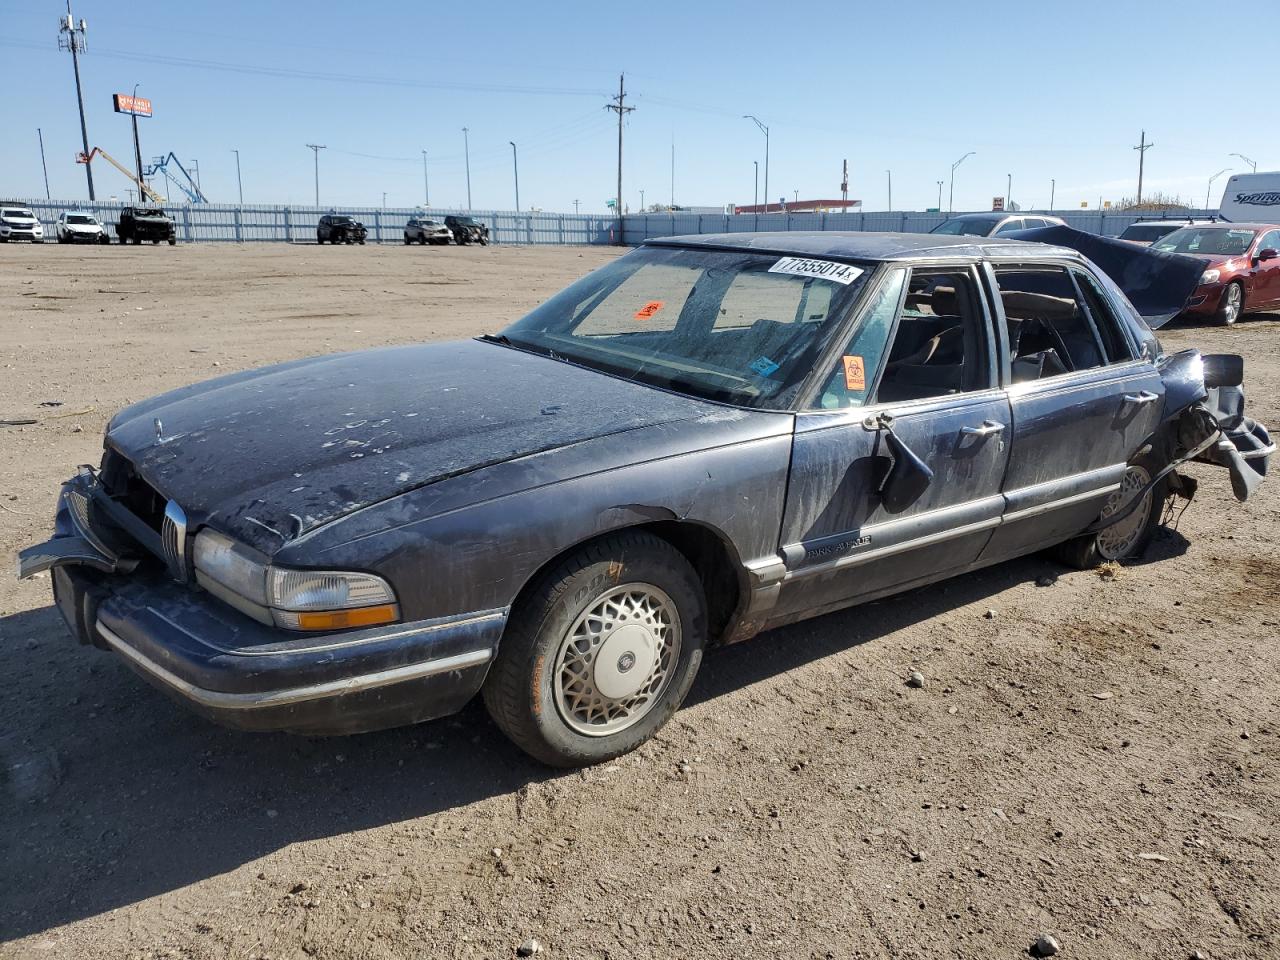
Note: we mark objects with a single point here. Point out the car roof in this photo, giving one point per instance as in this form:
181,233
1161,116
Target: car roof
1231,224
867,246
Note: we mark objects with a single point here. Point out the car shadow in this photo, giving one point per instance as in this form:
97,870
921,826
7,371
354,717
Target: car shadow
113,793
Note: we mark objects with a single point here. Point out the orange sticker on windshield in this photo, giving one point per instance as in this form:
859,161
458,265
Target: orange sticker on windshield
855,375
649,309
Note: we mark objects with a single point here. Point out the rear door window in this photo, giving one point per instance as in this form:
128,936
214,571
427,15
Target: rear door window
1050,331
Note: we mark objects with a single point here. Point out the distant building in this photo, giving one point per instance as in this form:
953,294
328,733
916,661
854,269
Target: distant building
800,206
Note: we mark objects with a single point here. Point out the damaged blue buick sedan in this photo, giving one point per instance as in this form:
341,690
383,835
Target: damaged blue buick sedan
707,438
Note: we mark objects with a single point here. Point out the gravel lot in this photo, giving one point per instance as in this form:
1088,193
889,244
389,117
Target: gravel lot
1097,759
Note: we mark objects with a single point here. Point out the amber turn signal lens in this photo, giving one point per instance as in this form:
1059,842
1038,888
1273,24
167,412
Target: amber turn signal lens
345,619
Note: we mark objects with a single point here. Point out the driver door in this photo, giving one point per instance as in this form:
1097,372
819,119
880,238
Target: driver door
923,356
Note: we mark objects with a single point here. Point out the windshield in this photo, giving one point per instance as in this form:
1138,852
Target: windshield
148,213
466,222
743,328
1148,231
80,218
15,214
1216,241
968,228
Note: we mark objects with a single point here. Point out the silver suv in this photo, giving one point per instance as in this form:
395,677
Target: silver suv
426,230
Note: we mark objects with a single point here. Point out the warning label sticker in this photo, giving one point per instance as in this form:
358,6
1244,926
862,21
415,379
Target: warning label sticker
855,374
822,269
649,309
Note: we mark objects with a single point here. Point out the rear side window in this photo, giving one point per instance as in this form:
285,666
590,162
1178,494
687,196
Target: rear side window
1008,227
1114,343
1050,332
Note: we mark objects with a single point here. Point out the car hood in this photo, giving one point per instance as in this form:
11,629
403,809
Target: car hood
268,455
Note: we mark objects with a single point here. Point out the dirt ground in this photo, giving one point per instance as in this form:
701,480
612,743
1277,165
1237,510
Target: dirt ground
1095,759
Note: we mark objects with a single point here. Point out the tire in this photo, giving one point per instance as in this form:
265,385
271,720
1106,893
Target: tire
155,243
407,241
123,239
173,241
1129,538
1231,306
484,241
527,692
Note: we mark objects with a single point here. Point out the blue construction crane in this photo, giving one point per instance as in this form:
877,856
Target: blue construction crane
190,187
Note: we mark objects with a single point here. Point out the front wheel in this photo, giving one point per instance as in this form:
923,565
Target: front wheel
601,653
173,241
1126,539
1231,305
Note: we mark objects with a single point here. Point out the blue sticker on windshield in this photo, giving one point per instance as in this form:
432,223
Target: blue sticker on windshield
763,366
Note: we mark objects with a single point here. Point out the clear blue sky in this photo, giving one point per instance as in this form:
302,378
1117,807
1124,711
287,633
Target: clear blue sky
1039,90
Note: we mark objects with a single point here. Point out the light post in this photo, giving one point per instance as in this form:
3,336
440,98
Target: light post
426,184
642,201
951,197
1209,188
315,149
755,190
1053,187
466,148
940,183
515,166
1008,193
239,183
1253,167
889,173
765,131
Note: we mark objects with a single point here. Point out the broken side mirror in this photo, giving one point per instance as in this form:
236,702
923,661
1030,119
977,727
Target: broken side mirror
907,477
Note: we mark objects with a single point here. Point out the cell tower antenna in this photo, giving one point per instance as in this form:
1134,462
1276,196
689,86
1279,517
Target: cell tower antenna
71,37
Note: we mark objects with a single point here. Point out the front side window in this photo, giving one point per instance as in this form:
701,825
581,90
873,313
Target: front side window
739,327
851,382
1270,241
1050,332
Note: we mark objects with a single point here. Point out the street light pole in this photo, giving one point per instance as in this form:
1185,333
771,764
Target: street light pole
426,184
1053,188
515,166
951,197
239,182
755,190
1008,193
765,131
315,149
1209,188
890,175
466,148
1253,167
43,165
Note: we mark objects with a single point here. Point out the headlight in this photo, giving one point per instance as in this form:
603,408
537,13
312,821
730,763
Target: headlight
1210,276
293,599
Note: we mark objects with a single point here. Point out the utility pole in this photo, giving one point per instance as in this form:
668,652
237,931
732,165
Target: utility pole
621,109
315,149
844,179
1252,166
951,199
1142,149
890,175
765,131
71,37
1053,189
466,149
1008,193
755,192
43,165
575,207
515,166
426,184
642,201
940,182
673,172
239,182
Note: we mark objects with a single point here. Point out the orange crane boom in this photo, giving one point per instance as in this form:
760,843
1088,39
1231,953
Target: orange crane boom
146,191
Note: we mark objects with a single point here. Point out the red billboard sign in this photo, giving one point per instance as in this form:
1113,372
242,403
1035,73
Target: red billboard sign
138,106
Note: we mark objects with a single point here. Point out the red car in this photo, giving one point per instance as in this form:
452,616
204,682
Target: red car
1244,273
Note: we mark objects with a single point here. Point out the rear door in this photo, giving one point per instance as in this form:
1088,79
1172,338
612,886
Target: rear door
1082,402
922,353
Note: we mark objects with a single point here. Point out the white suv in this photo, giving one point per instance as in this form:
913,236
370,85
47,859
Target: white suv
19,223
77,226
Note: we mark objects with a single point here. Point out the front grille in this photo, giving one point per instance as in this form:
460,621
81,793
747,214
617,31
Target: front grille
173,541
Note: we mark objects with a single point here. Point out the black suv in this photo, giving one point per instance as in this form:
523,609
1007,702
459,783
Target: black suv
146,223
467,229
335,228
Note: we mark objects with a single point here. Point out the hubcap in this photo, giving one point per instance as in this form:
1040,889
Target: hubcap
1117,541
1233,303
617,659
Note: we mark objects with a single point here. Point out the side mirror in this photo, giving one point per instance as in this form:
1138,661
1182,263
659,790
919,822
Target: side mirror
1268,253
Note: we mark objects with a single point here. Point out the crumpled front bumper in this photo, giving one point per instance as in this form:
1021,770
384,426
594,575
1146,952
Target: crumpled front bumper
241,673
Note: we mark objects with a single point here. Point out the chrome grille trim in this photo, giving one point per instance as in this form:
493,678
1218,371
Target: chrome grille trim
173,541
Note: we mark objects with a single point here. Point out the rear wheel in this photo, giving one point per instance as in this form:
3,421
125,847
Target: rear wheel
1126,539
1231,305
601,652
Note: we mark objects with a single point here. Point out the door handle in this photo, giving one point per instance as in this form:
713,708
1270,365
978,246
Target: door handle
1141,397
987,429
